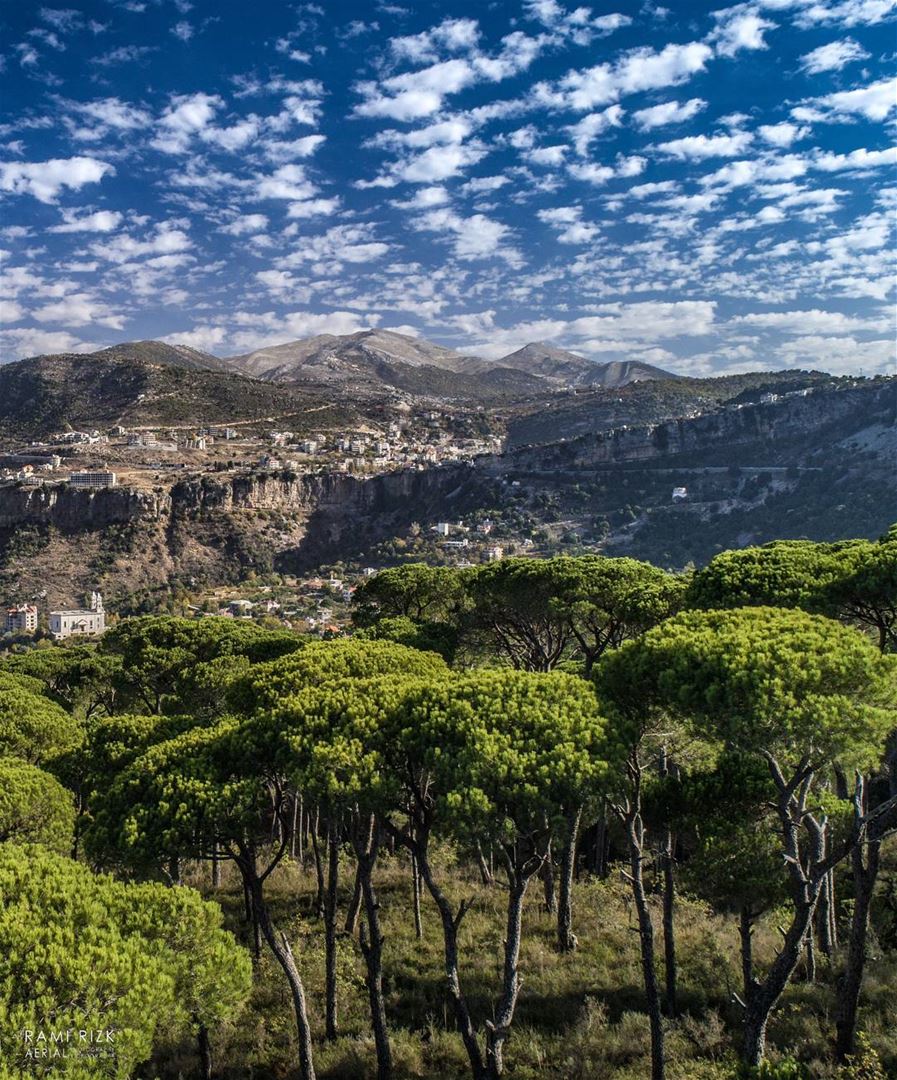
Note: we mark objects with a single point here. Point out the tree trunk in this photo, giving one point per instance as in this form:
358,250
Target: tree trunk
485,872
547,876
205,1052
319,867
280,947
351,923
498,1030
330,902
850,984
669,929
646,940
746,929
372,950
416,887
450,924
566,937
216,870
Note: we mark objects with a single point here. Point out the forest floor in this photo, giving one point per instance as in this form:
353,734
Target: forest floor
580,1015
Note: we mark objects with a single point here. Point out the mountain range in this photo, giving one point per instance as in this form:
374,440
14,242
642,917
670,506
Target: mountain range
170,384
382,357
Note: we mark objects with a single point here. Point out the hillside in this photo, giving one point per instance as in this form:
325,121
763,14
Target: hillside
570,415
137,387
565,368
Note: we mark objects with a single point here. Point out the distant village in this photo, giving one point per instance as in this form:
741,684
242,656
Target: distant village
99,459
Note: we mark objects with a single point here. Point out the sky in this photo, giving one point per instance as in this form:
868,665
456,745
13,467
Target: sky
707,189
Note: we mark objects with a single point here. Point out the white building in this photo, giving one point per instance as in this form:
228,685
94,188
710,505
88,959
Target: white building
493,554
79,622
99,479
21,618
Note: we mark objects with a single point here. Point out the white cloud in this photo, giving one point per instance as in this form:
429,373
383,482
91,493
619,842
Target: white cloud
245,225
813,321
475,237
280,150
739,28
31,341
451,35
205,338
641,69
874,101
183,30
856,159
168,239
46,179
847,13
670,112
833,57
186,116
340,244
568,224
783,134
102,221
590,127
699,147
78,309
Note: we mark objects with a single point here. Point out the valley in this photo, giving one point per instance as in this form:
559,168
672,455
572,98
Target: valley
192,475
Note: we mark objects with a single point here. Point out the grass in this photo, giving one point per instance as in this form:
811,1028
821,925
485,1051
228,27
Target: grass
580,1016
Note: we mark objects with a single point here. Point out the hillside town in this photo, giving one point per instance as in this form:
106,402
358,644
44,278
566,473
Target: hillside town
140,457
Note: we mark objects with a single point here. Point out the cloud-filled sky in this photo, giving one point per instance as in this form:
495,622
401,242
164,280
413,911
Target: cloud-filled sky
708,189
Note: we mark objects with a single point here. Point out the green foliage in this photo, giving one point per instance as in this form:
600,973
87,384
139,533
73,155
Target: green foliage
437,637
416,591
34,807
759,680
171,664
84,952
326,661
31,726
785,573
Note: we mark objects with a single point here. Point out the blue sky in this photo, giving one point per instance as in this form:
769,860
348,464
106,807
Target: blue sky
705,188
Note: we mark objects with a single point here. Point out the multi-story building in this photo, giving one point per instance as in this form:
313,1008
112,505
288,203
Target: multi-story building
21,619
78,622
93,479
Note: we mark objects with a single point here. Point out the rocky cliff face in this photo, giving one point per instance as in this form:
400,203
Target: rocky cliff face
210,529
775,425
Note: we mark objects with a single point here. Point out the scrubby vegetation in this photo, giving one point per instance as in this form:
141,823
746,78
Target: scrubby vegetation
573,817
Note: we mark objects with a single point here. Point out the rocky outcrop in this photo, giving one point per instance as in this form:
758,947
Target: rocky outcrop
775,423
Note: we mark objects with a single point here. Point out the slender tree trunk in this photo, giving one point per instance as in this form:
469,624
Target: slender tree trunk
824,918
216,870
746,930
330,903
319,866
810,955
450,925
205,1052
635,832
601,843
498,1030
566,937
351,923
416,889
280,947
669,926
486,875
547,876
294,825
372,950
850,983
